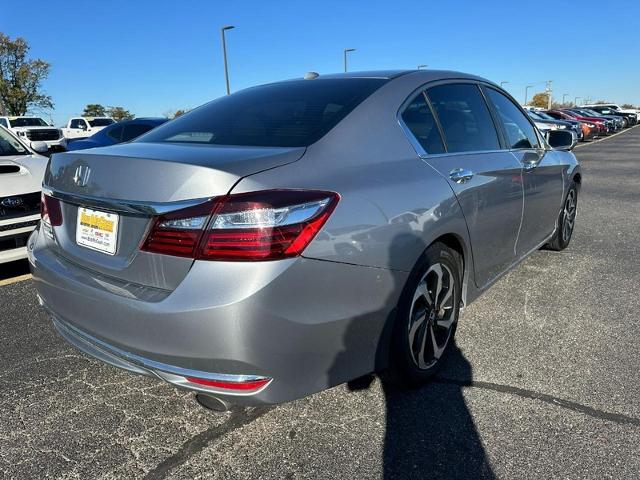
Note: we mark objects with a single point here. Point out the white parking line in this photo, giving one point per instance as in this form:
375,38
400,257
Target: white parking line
20,278
605,138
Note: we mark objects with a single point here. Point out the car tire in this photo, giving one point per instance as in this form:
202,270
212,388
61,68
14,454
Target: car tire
566,221
424,331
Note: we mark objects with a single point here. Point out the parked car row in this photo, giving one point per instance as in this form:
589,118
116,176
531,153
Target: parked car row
79,133
586,122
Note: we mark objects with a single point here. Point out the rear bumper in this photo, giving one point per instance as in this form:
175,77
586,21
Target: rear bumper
306,324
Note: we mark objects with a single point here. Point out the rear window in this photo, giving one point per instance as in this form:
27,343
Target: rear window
101,122
287,114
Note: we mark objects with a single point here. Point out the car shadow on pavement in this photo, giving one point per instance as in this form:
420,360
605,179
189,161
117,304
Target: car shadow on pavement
430,432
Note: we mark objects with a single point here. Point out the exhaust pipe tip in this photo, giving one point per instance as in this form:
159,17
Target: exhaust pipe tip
211,403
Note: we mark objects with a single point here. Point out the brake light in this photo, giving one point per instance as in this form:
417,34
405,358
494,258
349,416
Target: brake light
50,210
266,225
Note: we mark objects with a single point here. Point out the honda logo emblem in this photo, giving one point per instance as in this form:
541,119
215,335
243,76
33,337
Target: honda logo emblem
81,178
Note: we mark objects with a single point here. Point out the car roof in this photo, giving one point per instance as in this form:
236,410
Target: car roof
429,75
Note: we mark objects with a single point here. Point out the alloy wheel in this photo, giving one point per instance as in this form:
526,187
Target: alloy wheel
569,216
432,316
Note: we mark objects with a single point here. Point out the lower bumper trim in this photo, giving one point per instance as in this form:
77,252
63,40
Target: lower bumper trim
178,376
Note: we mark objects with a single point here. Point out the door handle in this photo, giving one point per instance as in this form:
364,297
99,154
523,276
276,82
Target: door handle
460,175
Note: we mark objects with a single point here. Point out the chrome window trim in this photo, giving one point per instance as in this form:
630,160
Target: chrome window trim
422,153
130,207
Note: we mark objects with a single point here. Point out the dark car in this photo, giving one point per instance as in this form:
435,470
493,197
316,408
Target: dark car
607,124
117,133
629,118
615,122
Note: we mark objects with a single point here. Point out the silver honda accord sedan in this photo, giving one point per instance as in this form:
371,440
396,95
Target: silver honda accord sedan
297,235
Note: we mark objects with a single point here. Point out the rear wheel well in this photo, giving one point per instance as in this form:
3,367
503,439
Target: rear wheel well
453,242
578,179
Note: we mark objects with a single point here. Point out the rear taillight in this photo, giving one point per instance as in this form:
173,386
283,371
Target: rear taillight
50,210
267,225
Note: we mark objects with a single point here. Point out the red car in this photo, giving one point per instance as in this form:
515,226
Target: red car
603,128
590,129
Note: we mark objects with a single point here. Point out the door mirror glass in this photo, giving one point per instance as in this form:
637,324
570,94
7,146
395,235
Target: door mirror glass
40,147
561,139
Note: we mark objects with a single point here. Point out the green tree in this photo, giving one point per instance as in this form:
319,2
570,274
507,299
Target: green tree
94,110
21,78
540,100
627,105
119,113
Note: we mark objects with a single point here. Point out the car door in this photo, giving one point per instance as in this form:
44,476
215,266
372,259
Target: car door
486,178
542,172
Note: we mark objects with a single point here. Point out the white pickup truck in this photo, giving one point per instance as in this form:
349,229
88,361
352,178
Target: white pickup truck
35,129
83,127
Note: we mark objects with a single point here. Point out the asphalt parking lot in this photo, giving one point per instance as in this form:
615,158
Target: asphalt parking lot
544,382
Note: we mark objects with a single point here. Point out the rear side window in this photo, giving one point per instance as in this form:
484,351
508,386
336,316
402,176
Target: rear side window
419,119
519,131
465,119
133,131
286,114
116,133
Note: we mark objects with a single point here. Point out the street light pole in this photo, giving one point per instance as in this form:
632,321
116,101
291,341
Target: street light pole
424,65
575,101
503,83
224,53
564,95
347,50
526,93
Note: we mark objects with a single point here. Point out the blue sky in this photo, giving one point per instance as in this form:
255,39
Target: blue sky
154,56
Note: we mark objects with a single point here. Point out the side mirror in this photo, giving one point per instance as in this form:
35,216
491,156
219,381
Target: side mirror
40,147
562,139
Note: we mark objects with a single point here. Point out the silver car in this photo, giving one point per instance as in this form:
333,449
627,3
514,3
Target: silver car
297,235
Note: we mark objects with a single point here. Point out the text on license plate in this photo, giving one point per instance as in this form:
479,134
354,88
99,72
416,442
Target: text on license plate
97,230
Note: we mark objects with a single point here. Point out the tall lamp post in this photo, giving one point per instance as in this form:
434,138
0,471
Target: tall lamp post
575,101
502,84
526,93
421,66
347,50
564,95
224,53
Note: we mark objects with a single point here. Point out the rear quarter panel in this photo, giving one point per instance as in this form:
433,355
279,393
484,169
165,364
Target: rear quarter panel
393,204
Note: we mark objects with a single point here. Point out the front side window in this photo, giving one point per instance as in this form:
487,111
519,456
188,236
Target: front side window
286,114
519,131
419,119
4,122
465,119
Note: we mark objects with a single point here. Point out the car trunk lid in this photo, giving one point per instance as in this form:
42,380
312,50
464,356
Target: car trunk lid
133,181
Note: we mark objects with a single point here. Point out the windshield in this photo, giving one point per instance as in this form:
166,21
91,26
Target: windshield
101,122
28,122
287,114
9,145
545,116
533,114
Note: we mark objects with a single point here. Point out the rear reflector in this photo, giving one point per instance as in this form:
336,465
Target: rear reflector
247,386
266,225
50,210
